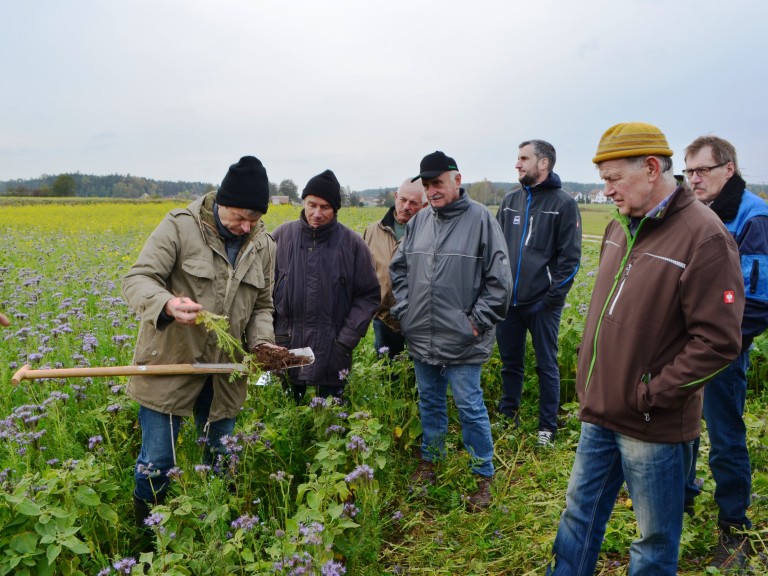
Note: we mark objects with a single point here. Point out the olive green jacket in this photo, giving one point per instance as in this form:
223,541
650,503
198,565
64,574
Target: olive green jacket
185,256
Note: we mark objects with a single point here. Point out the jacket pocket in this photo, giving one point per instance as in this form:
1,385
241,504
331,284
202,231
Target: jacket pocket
280,298
754,276
641,393
339,363
254,277
146,351
198,268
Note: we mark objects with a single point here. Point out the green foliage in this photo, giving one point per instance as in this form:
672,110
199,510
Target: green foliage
303,487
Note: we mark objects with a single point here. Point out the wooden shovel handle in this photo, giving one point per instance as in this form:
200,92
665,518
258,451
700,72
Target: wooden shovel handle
26,373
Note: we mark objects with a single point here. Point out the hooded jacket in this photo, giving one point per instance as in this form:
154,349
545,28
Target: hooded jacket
186,256
542,227
326,293
380,238
451,273
664,319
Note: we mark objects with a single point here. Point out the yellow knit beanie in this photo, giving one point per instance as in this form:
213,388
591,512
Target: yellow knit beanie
631,139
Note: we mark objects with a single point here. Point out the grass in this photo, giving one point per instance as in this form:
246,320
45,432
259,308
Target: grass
295,491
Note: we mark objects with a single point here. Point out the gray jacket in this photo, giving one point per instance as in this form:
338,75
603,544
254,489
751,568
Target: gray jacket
451,273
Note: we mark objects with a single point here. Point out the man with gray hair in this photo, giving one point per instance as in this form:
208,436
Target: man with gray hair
451,281
664,319
713,173
383,238
542,227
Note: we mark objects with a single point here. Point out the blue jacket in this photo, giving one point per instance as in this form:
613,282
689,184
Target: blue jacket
745,215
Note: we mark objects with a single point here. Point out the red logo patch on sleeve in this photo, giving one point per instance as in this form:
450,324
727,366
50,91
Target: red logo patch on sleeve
728,297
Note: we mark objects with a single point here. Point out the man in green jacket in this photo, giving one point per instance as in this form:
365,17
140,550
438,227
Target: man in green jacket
213,255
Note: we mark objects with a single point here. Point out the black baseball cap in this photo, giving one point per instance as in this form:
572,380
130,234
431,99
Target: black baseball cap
432,165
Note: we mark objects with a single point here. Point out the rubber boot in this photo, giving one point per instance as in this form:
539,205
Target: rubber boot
145,538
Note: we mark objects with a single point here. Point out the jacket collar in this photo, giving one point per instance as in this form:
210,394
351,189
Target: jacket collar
727,203
389,218
551,182
321,232
207,220
455,208
681,197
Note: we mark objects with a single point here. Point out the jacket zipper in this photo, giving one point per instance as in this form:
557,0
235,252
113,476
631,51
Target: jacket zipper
621,287
523,240
604,311
530,230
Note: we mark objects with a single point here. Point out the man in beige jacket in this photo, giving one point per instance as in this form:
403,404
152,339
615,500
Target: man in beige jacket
213,255
383,238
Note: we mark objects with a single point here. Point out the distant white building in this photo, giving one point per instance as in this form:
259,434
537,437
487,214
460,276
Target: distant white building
277,200
597,197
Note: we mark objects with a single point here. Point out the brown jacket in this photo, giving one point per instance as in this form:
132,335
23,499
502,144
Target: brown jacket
380,238
665,317
185,256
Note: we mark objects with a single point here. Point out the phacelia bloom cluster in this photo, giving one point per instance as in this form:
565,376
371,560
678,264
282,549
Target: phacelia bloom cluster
312,533
154,519
334,429
350,510
362,472
124,565
279,476
94,441
245,522
357,444
332,568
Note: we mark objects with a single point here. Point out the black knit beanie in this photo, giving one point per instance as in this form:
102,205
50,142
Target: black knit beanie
326,187
245,186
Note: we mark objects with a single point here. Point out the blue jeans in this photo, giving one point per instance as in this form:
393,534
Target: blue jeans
544,325
159,437
724,399
384,336
655,477
432,382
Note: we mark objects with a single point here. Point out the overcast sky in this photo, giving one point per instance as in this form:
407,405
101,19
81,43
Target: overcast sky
179,90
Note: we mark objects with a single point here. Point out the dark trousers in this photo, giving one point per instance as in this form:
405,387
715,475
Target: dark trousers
544,325
724,401
385,337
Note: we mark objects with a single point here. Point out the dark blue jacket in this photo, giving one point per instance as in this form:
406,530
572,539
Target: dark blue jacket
542,227
326,292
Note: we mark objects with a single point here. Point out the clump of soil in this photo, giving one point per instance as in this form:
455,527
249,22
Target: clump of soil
268,358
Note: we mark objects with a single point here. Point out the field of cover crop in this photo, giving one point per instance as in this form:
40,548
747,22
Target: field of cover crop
313,489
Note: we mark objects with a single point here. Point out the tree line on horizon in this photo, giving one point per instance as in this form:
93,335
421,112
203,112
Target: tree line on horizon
134,187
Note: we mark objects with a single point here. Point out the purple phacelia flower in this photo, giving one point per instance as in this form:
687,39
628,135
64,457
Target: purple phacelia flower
362,472
245,522
357,444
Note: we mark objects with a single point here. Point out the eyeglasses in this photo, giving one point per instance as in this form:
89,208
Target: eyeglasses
702,172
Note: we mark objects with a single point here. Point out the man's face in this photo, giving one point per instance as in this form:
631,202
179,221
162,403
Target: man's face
628,186
707,187
239,221
317,211
530,168
408,201
443,189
